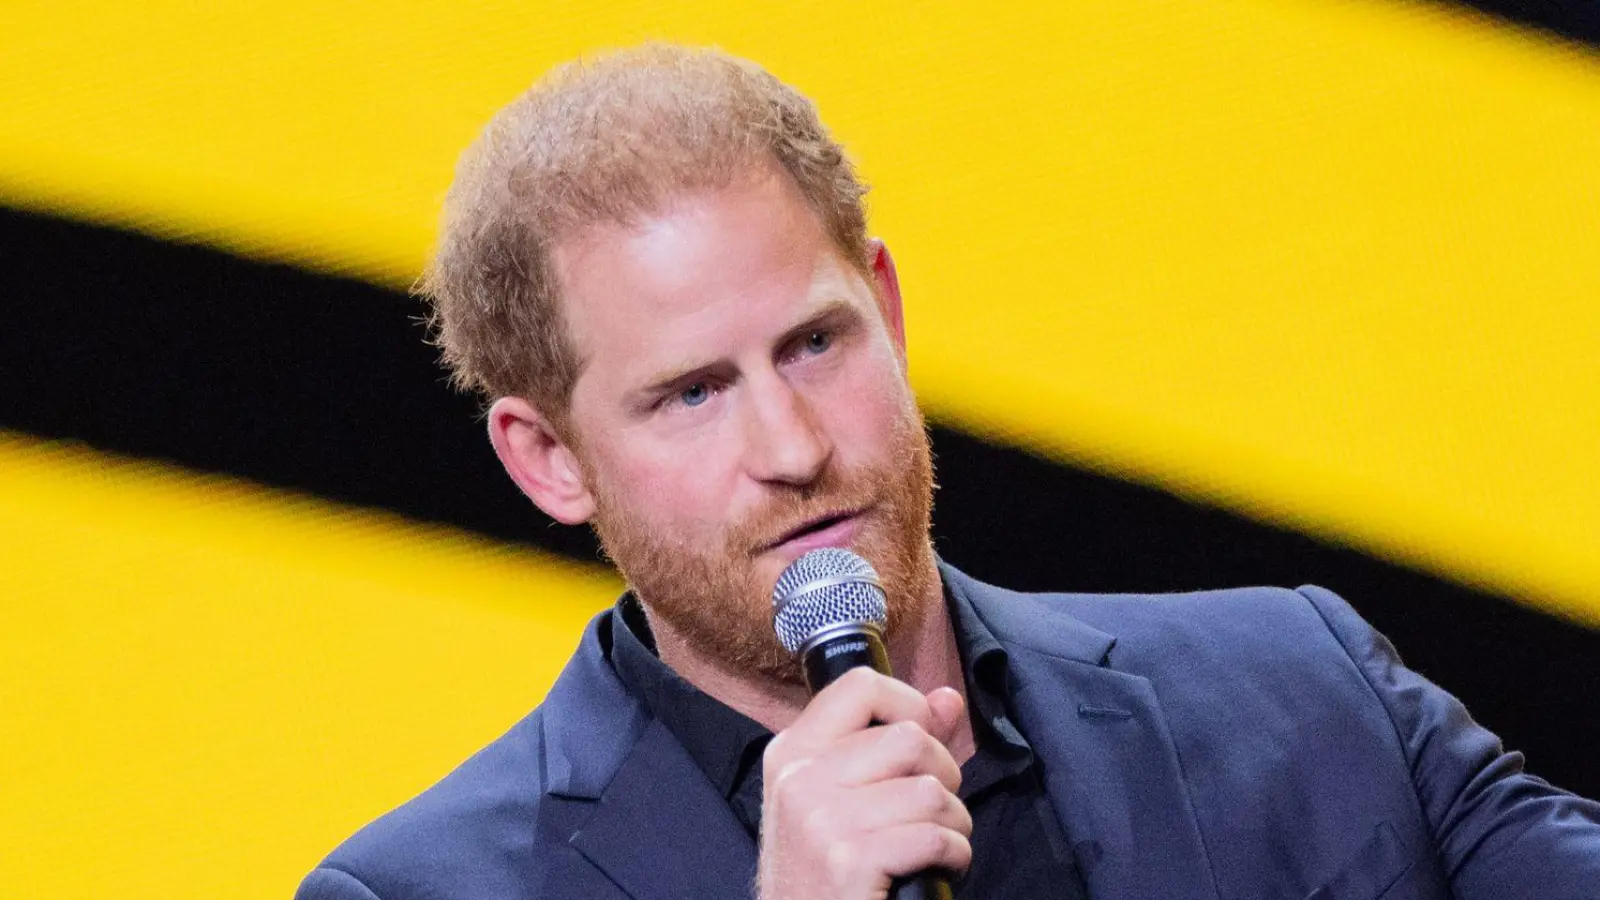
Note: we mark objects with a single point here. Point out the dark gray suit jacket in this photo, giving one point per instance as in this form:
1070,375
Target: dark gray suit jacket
1252,743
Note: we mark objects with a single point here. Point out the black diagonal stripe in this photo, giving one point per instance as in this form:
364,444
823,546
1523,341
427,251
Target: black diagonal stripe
324,385
1575,19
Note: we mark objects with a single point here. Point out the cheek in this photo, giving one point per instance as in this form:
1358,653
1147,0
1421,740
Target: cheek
878,402
679,484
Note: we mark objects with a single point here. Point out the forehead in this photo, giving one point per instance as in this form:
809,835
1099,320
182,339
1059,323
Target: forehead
711,269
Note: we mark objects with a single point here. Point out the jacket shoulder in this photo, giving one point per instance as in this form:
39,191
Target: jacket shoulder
497,826
1275,622
1150,631
468,835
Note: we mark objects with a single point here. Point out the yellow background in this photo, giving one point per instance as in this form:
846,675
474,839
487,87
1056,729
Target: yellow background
1331,264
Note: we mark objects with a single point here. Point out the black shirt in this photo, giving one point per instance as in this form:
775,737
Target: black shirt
1018,846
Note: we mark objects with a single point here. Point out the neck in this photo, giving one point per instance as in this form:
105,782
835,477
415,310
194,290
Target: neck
923,653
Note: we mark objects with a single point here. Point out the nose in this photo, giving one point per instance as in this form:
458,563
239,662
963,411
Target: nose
784,439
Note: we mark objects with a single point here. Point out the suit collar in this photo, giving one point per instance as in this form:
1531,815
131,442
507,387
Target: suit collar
655,825
1110,764
590,721
1034,621
660,830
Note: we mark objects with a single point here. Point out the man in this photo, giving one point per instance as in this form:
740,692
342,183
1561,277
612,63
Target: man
658,265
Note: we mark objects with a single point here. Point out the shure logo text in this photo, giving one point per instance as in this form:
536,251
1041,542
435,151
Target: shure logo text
837,649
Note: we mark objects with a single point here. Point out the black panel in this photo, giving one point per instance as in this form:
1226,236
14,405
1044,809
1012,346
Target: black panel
324,385
1575,19
269,372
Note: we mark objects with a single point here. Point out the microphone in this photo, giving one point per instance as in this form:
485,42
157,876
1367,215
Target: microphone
829,607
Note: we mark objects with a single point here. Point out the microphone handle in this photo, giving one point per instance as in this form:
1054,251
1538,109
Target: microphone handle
923,886
824,662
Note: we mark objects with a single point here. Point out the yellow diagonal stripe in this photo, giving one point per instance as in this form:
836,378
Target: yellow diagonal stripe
1331,263
207,685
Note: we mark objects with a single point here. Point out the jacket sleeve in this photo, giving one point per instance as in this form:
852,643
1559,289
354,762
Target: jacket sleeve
1499,831
325,883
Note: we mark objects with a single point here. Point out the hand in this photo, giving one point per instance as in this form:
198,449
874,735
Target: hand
861,790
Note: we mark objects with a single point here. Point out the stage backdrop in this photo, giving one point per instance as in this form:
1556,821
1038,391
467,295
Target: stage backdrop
1200,292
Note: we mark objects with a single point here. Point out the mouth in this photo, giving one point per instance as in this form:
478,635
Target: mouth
836,529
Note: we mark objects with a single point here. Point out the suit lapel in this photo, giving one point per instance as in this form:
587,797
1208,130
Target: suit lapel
625,796
660,830
1110,765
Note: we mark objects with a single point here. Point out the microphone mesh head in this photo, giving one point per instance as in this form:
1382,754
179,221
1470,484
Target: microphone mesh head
825,587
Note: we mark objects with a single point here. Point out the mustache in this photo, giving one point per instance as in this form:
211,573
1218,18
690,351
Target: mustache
831,495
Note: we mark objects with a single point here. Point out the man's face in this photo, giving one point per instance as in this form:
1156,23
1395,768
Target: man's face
743,400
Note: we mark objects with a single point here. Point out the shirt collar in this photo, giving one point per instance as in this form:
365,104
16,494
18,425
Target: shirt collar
722,741
986,667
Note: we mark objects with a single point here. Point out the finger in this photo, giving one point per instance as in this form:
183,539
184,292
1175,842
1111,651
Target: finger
903,850
901,801
890,751
949,711
861,697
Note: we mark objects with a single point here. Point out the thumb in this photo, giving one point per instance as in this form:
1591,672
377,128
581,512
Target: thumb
948,709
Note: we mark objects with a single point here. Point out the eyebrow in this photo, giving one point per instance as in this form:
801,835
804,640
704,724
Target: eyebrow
837,312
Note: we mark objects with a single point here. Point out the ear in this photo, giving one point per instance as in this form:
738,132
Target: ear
887,284
539,461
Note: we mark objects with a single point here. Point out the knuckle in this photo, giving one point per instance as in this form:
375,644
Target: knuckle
962,816
929,841
909,738
930,793
777,752
842,859
787,784
817,824
960,852
858,679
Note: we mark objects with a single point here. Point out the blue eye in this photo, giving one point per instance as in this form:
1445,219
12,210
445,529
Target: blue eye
695,394
818,341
